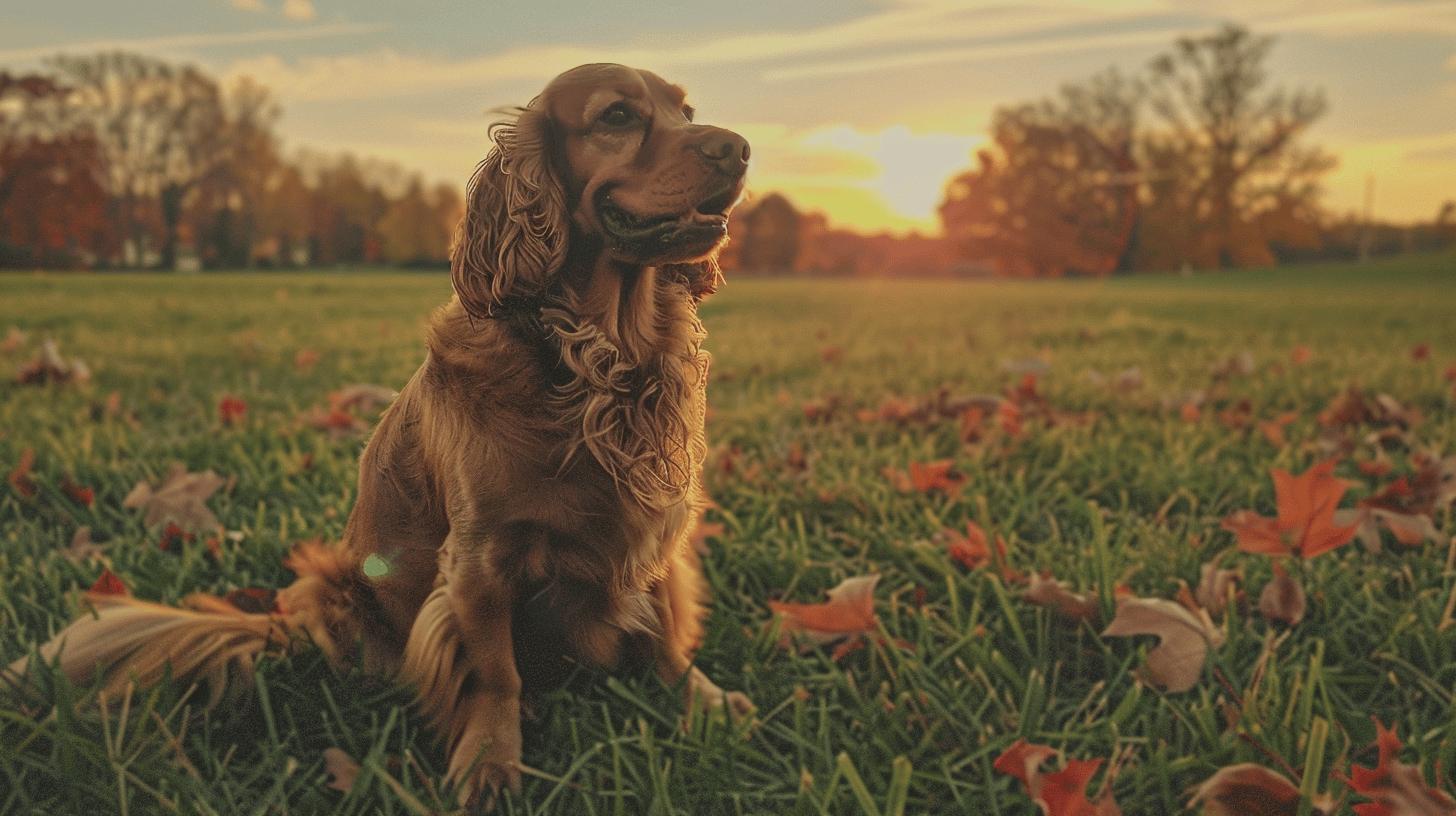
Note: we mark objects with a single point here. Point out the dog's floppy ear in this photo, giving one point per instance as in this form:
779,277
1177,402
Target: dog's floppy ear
513,238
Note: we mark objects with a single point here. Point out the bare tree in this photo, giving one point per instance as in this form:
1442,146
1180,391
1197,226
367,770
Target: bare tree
1231,144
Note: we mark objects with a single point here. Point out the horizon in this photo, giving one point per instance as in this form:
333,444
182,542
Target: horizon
843,120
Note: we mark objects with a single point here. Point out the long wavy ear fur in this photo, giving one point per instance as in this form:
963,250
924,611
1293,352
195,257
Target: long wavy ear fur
702,277
513,238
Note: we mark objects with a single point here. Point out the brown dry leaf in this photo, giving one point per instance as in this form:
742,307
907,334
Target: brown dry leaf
180,499
361,397
1044,590
341,768
19,478
1247,790
1283,598
82,548
1176,663
1216,586
14,339
50,366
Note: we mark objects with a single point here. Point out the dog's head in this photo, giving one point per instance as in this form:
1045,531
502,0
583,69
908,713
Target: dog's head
607,158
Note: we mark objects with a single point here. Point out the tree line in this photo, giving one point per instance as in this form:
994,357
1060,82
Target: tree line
117,160
1196,162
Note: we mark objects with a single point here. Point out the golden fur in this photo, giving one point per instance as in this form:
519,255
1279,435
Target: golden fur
543,462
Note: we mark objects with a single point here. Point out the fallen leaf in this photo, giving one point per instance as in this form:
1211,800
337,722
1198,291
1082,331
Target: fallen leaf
927,477
1273,430
305,359
1283,598
82,548
108,584
831,354
1421,352
341,768
1190,412
231,410
973,550
14,339
1176,663
50,367
1306,524
1059,793
180,499
362,397
1247,790
1299,355
848,615
19,478
1216,586
1044,590
80,494
1397,789
336,421
1008,417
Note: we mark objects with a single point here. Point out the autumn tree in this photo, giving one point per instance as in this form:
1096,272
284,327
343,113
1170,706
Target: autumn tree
1228,173
227,209
52,204
416,228
161,131
770,240
1056,192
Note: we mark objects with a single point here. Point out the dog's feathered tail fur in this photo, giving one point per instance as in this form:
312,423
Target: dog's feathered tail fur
125,640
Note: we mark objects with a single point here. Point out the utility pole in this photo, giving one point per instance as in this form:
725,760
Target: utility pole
1367,235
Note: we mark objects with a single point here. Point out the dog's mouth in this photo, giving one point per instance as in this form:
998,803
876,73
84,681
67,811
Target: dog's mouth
705,225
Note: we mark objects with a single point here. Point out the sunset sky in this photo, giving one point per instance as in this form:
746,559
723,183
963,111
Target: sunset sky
859,108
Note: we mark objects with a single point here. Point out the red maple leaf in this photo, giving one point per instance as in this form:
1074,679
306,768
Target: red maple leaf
1060,793
79,493
973,551
1305,526
231,410
108,584
1396,787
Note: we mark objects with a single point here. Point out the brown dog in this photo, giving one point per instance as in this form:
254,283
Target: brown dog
547,451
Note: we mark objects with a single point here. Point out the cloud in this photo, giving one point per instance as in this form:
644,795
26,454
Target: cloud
177,42
301,10
249,5
387,71
1418,17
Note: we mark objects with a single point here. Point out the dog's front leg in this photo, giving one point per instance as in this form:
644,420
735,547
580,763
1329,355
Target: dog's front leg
460,658
676,601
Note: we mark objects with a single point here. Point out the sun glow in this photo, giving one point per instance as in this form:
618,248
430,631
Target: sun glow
869,180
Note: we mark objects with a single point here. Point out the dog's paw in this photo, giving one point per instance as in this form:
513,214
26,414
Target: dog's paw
486,761
705,695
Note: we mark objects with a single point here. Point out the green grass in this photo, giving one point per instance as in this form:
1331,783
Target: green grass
913,727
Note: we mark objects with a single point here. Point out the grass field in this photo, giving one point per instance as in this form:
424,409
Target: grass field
965,667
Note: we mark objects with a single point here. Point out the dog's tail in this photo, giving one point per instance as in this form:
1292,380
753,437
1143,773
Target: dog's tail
126,641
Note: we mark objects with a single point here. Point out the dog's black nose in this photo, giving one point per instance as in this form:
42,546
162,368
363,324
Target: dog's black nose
725,150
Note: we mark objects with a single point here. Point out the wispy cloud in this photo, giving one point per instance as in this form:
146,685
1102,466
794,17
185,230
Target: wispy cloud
179,42
299,9
1363,19
359,75
942,32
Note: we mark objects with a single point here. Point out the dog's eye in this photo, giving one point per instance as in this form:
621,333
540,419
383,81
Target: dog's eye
618,115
